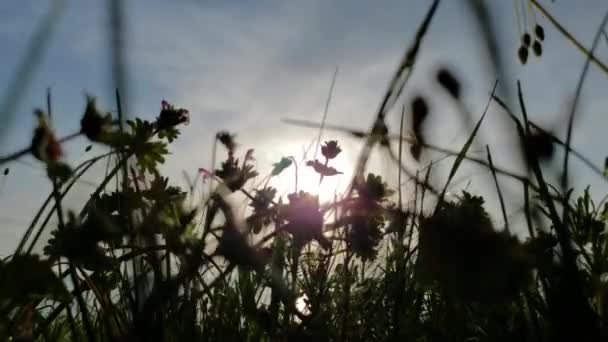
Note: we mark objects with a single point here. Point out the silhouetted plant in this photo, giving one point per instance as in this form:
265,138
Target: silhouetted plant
146,260
304,220
460,249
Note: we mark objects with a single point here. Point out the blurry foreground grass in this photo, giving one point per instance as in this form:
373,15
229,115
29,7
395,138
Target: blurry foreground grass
146,261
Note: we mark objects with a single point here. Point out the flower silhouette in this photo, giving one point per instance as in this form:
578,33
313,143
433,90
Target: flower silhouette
227,140
233,174
304,219
364,219
262,214
93,124
45,146
330,149
170,116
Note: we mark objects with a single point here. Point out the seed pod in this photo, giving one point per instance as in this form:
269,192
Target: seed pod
526,40
537,48
523,54
419,112
449,82
539,32
540,145
93,124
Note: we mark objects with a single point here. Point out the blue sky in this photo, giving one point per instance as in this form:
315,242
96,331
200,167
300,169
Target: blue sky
244,65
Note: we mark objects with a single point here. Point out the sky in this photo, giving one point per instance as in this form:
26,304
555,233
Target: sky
244,66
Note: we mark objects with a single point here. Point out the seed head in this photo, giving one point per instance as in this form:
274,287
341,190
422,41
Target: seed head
537,48
539,32
449,82
526,40
522,53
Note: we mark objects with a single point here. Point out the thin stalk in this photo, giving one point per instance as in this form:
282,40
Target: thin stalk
24,151
400,158
326,110
579,90
500,197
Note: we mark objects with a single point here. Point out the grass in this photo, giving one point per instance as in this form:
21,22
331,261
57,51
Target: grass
147,261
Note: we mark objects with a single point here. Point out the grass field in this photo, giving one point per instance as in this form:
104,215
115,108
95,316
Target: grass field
144,260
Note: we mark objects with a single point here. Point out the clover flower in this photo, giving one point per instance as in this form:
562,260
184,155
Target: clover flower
170,116
330,149
45,146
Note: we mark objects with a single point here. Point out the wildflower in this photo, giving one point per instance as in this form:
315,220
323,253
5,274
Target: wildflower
45,146
262,214
304,219
364,217
227,140
322,169
331,149
93,124
170,116
233,175
206,173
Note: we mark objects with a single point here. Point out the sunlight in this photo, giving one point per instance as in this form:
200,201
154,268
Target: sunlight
308,179
302,305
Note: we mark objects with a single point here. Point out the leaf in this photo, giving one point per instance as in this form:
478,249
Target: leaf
321,169
150,154
26,277
170,133
279,167
462,154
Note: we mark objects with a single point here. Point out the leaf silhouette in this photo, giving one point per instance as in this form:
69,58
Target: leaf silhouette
279,167
322,169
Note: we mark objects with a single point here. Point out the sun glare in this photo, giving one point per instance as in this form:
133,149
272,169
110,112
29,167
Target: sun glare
310,181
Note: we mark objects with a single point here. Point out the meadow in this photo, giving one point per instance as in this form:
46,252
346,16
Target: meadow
145,260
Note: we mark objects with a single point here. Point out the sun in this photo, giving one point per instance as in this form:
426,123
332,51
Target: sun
310,181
